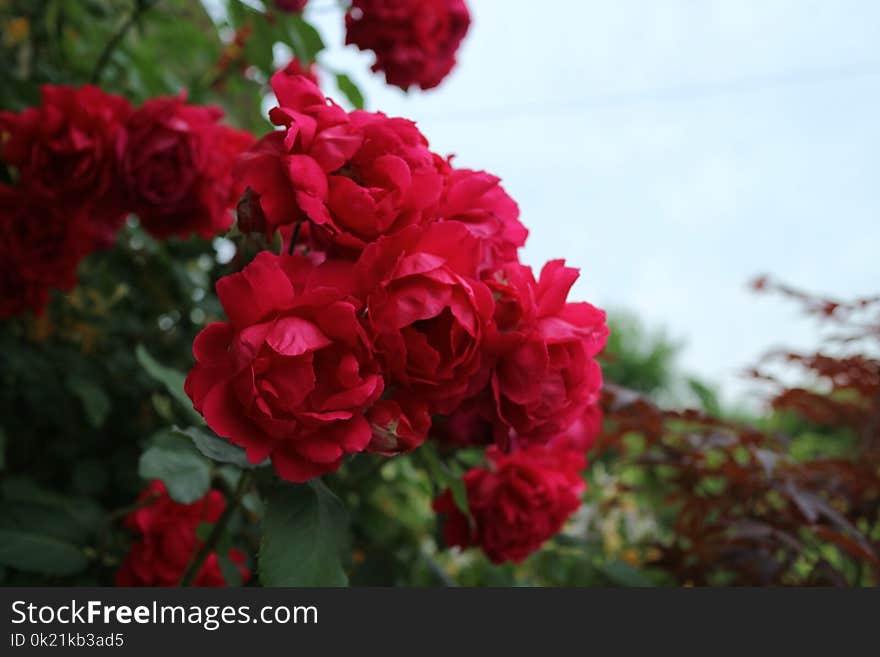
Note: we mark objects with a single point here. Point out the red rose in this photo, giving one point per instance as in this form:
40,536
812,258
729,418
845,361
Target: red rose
414,40
582,434
476,199
176,163
546,375
41,244
356,176
472,423
428,315
287,170
291,6
392,181
295,67
518,502
167,541
291,373
63,151
398,426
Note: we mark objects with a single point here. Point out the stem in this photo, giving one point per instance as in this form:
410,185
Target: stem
140,6
124,511
232,504
294,237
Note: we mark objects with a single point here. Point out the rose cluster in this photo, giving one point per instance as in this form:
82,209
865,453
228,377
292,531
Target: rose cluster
84,159
414,41
399,309
167,541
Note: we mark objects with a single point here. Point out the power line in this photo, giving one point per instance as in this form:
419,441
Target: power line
663,94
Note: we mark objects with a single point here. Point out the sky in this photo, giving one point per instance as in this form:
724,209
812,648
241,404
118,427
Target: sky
672,150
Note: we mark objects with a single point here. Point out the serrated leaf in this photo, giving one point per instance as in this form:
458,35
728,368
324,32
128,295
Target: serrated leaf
216,448
174,460
350,90
305,537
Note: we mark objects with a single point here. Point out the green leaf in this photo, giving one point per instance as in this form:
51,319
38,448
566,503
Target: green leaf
305,40
174,460
708,398
446,478
350,90
28,508
95,401
40,554
203,530
622,574
168,377
162,406
305,536
217,448
459,495
231,573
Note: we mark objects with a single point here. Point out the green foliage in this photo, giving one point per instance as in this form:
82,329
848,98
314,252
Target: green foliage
216,448
83,386
175,460
305,537
33,552
95,401
168,377
637,358
42,532
349,90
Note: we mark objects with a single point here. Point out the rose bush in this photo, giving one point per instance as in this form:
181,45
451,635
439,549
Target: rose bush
404,306
376,313
83,160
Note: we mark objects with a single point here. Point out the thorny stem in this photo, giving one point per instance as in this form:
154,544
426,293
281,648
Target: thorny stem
232,504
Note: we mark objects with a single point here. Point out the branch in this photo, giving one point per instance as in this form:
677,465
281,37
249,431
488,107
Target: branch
140,6
217,530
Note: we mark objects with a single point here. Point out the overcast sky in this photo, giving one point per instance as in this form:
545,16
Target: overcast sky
672,150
